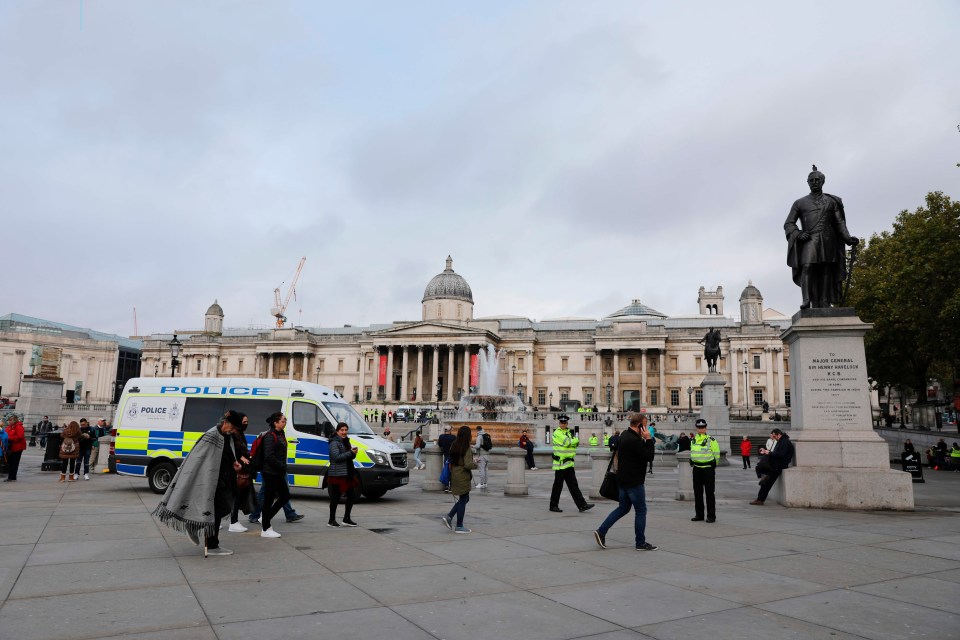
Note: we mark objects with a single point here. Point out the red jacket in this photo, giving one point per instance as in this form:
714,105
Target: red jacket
15,435
745,447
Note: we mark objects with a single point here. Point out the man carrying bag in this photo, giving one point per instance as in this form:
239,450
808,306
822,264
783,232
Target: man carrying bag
634,452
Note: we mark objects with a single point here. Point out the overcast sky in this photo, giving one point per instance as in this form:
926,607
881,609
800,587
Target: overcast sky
570,156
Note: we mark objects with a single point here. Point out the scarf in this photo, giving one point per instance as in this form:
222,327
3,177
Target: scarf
188,504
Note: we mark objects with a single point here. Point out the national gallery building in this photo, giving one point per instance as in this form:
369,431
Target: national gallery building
634,357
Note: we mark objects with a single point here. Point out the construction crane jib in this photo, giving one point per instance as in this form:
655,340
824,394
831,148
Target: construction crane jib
281,306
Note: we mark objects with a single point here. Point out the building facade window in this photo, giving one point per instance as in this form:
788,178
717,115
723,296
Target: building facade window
240,364
758,396
223,365
756,362
320,365
674,363
541,396
198,364
340,365
786,398
339,390
786,365
674,397
630,366
588,396
520,364
698,397
698,363
654,397
368,393
564,393
563,363
541,365
588,364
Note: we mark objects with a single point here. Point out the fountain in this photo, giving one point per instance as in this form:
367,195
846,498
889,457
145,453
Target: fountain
504,417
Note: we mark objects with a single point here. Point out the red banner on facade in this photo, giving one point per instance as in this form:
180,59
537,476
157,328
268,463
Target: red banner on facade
474,370
382,377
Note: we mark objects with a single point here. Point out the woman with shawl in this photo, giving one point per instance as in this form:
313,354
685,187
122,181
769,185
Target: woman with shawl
202,492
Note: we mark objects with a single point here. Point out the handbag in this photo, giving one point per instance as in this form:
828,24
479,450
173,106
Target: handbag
445,474
609,488
244,480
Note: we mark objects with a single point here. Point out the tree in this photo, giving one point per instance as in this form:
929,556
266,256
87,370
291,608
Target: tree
907,283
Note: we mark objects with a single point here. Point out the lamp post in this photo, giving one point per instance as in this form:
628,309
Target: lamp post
609,395
520,392
551,401
690,400
318,375
156,369
19,384
439,389
513,374
174,354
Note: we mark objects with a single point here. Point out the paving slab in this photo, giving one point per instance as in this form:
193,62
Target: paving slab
509,615
636,601
383,553
362,624
444,582
890,559
868,616
544,571
96,614
922,590
745,622
97,550
84,532
738,583
933,548
107,575
826,571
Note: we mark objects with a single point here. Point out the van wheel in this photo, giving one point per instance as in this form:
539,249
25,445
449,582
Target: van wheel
374,494
160,476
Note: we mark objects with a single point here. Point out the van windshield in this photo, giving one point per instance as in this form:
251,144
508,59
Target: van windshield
343,412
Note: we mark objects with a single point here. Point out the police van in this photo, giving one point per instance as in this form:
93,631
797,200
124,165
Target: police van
158,421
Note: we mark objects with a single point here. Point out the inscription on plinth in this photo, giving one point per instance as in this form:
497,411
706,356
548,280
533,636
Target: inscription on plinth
836,386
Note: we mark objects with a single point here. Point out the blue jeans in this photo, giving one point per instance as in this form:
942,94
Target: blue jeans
288,509
84,457
637,498
459,508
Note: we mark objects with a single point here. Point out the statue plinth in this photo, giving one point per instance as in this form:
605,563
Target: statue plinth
716,413
840,461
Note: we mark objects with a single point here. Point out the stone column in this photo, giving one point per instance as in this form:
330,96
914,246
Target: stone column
616,378
599,459
516,472
290,357
685,477
388,388
420,395
663,380
433,458
733,359
598,363
305,374
782,400
404,363
768,358
436,373
466,368
450,377
644,401
269,357
529,364
361,393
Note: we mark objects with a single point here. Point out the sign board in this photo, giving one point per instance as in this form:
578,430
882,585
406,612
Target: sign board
153,413
912,465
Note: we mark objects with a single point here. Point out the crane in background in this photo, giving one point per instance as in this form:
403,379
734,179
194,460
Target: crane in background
281,306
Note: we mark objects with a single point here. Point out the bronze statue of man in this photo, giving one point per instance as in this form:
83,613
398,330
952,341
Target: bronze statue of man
711,348
816,252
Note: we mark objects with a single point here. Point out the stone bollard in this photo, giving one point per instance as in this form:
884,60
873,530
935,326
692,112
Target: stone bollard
599,459
685,477
516,472
433,458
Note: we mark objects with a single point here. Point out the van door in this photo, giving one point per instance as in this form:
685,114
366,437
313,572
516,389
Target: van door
308,457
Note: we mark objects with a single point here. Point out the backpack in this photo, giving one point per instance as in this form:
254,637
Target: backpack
256,451
486,442
68,446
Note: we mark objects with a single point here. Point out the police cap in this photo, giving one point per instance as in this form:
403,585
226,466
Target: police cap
701,423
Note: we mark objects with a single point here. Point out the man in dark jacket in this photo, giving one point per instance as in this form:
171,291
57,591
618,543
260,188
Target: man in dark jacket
634,452
779,459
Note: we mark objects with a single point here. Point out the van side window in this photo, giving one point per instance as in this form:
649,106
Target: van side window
202,414
307,418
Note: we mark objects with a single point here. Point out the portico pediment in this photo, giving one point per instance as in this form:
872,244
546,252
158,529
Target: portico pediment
429,329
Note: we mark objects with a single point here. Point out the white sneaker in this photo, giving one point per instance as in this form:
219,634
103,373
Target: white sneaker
76,476
236,527
86,476
269,533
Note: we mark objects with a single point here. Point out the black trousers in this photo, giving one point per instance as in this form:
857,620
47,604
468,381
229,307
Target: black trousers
335,495
275,495
746,462
704,482
13,464
568,475
767,484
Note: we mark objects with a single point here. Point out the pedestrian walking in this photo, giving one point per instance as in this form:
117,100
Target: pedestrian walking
341,478
274,472
203,490
43,429
635,451
16,443
244,499
69,450
418,446
461,478
778,459
745,448
480,452
704,458
564,453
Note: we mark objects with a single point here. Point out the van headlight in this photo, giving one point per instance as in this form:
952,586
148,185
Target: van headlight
378,457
